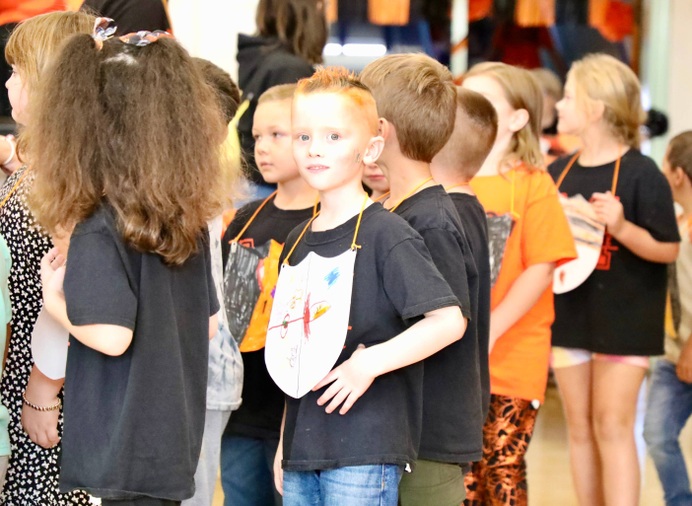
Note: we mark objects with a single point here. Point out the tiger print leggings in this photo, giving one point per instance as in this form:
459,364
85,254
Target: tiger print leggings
499,479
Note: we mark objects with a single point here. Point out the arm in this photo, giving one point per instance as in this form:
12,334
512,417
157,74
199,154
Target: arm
635,238
278,458
108,339
41,426
213,325
353,377
521,297
684,365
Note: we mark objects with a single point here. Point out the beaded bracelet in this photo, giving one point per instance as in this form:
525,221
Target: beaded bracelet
52,407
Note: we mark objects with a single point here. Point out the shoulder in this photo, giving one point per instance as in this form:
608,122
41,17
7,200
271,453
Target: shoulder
102,221
640,164
387,229
537,183
557,166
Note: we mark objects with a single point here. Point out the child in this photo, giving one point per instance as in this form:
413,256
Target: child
258,232
139,299
511,184
32,476
225,374
416,101
375,181
605,329
290,39
670,392
401,311
454,166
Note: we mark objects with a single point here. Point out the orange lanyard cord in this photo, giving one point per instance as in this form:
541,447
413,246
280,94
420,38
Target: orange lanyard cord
616,172
456,185
252,218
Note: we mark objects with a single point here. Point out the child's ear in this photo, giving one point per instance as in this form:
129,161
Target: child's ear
518,119
679,176
383,127
373,150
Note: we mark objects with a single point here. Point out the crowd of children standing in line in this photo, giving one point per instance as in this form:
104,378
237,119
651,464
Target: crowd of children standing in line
111,220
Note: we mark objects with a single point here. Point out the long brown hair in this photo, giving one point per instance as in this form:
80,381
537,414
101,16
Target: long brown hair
301,25
135,128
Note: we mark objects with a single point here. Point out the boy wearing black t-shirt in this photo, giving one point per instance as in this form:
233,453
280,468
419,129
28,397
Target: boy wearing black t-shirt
401,311
416,100
453,167
256,233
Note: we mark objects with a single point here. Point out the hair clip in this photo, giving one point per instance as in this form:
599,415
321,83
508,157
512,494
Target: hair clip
104,29
144,38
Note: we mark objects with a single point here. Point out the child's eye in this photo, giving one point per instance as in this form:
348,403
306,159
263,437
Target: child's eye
277,135
334,137
255,137
303,137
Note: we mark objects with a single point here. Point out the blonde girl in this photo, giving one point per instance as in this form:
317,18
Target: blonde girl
607,327
522,202
32,477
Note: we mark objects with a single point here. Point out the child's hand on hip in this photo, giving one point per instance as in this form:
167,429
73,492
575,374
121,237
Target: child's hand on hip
348,381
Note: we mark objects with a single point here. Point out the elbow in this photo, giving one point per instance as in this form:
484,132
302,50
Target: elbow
117,346
458,324
670,253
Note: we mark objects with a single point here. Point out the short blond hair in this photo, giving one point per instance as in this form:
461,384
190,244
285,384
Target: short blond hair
522,92
601,77
416,94
277,93
343,82
473,137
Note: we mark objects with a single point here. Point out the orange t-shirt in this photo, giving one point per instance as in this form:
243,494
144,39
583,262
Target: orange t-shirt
13,11
519,361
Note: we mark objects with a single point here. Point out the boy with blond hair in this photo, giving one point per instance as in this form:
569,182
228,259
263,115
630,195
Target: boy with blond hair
453,167
416,102
400,312
251,246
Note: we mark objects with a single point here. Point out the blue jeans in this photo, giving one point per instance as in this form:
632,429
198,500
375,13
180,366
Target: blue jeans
246,471
668,408
376,485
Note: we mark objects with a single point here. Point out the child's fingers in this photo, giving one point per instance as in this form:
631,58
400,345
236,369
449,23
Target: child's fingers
326,381
349,402
338,399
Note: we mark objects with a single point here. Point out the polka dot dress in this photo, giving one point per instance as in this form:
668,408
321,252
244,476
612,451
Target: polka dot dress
32,477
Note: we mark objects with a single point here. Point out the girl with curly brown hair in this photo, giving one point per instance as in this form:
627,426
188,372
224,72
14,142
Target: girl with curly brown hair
135,171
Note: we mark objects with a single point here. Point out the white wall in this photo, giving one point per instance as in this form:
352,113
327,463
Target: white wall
209,28
680,70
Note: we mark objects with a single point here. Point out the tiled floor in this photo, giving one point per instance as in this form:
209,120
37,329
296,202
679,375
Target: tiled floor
549,479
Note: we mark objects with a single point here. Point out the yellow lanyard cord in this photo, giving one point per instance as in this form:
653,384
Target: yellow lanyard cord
14,188
418,187
354,246
456,185
616,173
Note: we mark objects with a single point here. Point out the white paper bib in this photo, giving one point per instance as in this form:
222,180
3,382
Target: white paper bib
49,343
588,233
309,321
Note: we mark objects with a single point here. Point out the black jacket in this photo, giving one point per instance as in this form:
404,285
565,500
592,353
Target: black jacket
263,63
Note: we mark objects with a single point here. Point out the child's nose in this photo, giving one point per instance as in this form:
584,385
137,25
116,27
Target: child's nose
315,148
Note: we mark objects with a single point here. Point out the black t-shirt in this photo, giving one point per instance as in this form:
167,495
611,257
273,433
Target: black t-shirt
132,15
475,223
619,309
134,423
260,413
395,283
452,406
